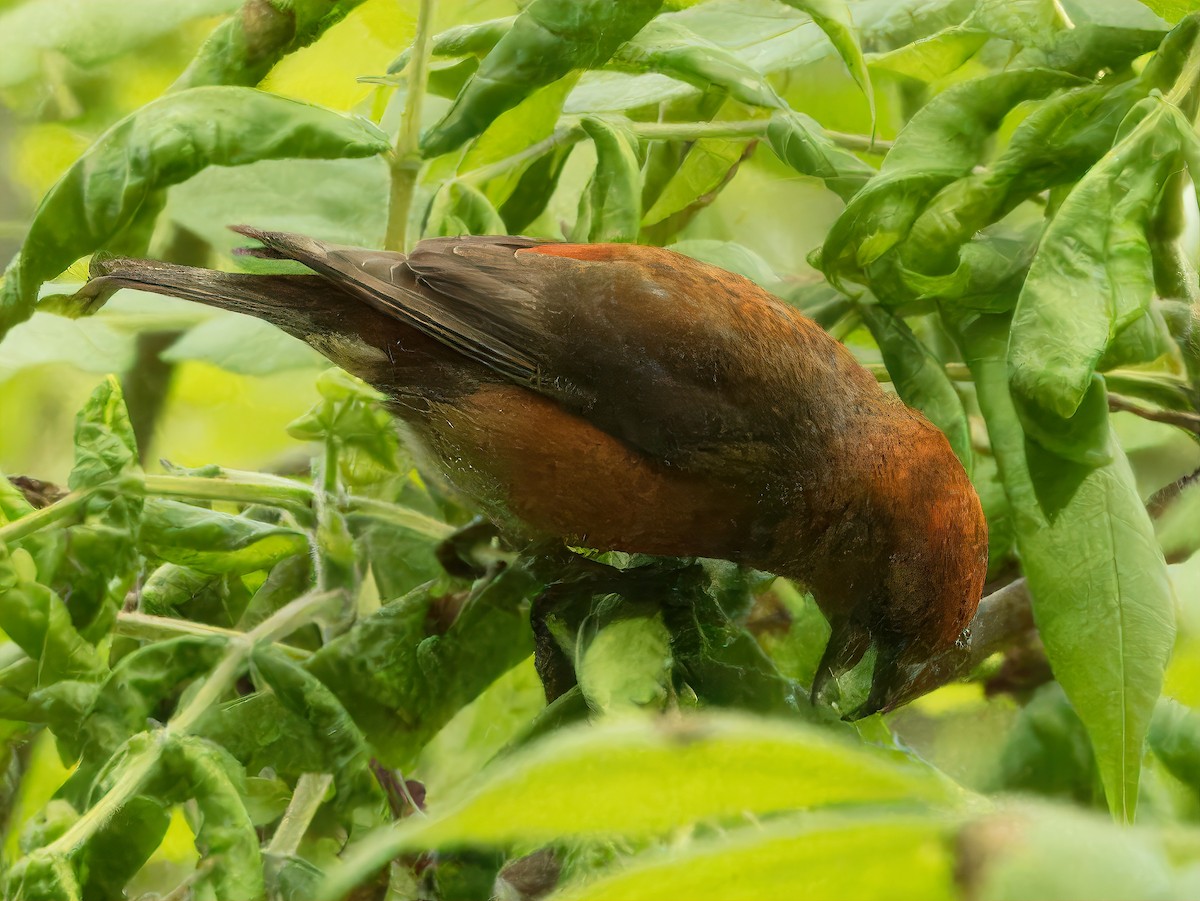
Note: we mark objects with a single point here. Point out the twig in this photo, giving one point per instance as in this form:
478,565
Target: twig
1189,422
406,157
306,799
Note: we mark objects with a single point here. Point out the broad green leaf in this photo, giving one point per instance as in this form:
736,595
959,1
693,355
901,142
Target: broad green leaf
920,378
1036,23
627,665
1093,273
547,40
243,49
215,542
402,676
709,164
667,47
307,697
678,771
1104,34
1101,596
833,18
219,599
615,188
161,144
882,856
932,58
800,142
1172,10
514,130
88,34
533,191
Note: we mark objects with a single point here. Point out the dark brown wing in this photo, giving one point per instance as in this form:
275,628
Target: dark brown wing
672,356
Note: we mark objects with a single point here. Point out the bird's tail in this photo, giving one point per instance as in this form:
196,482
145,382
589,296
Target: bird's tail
275,298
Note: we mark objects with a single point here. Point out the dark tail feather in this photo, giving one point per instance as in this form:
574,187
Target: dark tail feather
275,298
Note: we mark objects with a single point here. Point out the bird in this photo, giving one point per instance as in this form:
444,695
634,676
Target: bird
630,398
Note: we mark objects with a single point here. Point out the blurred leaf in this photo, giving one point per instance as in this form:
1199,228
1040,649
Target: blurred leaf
920,378
88,34
1060,854
615,188
1047,751
215,542
161,144
1106,34
1178,528
861,856
1101,597
546,41
639,778
534,190
42,877
1092,275
731,256
1174,738
934,57
476,37
243,345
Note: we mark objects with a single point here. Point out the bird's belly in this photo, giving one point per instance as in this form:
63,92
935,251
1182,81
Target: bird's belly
527,460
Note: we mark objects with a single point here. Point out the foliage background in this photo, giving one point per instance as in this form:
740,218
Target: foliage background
988,788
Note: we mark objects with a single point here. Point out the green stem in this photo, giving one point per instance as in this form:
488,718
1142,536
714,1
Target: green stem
138,769
233,490
306,799
406,157
48,515
145,627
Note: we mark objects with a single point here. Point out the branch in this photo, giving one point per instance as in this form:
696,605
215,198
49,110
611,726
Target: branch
406,156
1189,422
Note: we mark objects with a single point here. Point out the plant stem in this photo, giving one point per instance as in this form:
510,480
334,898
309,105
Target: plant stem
48,515
139,768
306,799
406,156
145,627
234,490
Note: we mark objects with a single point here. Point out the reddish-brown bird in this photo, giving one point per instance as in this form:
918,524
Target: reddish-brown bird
630,398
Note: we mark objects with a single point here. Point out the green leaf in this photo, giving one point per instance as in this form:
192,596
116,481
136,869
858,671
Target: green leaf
546,41
729,255
627,665
1101,596
475,38
615,188
643,778
940,144
1035,23
800,142
1106,34
708,166
205,773
833,18
882,856
243,345
514,130
244,48
161,144
42,877
38,622
402,676
1175,740
307,697
460,209
215,542
1093,273
920,378
931,58
668,47
90,34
